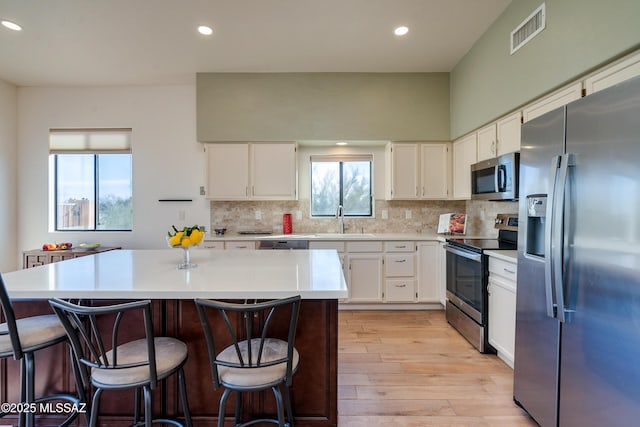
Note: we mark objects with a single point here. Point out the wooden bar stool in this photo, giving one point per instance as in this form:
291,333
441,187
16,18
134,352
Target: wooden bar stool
21,339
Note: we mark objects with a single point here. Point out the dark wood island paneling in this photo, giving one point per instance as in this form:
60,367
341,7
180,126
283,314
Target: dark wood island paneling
314,390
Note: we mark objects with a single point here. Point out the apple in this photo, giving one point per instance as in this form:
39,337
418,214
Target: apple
51,246
45,247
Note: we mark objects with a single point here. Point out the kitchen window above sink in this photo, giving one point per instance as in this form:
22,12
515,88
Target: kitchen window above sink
343,180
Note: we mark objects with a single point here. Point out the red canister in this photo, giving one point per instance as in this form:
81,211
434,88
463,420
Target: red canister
287,226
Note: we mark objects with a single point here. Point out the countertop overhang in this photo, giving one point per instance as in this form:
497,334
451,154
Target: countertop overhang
330,236
153,274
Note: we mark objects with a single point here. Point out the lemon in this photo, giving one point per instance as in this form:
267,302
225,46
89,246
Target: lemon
174,240
186,242
196,236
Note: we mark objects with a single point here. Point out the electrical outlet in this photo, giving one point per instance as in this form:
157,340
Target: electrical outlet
258,214
407,213
202,193
298,215
385,214
181,215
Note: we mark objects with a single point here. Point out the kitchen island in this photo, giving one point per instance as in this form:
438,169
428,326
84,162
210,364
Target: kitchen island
316,275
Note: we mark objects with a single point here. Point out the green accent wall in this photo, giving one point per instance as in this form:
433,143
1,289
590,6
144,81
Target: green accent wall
580,35
322,106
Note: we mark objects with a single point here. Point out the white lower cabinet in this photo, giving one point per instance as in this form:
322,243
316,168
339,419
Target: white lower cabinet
400,271
502,307
429,272
208,244
365,277
442,269
240,244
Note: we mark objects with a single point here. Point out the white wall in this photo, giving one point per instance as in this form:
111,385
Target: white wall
8,177
168,162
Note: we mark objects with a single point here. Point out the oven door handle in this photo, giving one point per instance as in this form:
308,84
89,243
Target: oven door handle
465,254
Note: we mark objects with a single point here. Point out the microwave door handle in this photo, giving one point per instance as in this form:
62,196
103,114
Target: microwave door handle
502,178
549,234
496,179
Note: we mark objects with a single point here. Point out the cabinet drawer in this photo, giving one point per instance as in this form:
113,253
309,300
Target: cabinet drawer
35,260
364,246
338,246
503,268
400,290
247,244
213,245
400,265
401,246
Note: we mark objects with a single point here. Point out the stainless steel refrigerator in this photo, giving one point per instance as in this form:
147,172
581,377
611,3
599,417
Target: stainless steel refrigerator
577,356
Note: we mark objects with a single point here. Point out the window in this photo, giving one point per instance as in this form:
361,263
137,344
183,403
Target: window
92,179
341,180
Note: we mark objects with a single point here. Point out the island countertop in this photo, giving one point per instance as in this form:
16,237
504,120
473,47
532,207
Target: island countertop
153,274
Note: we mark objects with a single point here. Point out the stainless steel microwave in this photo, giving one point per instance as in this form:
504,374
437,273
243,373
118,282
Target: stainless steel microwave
496,179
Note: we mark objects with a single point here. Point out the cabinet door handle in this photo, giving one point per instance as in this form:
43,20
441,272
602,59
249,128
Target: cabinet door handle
506,270
401,286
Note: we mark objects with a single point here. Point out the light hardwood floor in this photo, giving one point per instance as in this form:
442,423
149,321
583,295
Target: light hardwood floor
410,369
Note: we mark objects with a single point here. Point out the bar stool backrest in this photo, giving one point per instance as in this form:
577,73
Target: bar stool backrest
93,333
253,322
10,321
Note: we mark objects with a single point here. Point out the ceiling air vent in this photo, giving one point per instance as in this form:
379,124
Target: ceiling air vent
528,29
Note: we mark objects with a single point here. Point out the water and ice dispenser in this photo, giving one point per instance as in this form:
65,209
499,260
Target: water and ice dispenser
536,222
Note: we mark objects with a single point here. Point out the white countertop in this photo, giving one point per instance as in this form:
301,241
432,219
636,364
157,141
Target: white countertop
211,237
153,274
506,255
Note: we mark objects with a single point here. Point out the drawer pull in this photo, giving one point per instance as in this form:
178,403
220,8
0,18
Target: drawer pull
401,286
401,247
241,247
506,270
401,260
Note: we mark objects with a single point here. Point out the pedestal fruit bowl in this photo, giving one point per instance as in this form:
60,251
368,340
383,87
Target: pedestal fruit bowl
185,239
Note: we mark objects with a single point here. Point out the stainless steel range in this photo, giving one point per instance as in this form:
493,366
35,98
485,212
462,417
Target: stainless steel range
467,279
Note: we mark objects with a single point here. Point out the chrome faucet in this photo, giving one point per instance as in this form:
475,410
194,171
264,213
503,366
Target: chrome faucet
340,215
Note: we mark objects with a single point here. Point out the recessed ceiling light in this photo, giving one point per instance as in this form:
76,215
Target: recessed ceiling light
204,30
11,25
401,31
341,143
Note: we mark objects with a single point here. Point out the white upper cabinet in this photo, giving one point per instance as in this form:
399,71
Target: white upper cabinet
435,170
508,133
556,99
622,70
274,172
464,155
487,142
403,171
418,171
228,171
252,171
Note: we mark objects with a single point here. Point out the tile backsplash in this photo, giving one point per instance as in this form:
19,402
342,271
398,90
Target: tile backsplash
238,216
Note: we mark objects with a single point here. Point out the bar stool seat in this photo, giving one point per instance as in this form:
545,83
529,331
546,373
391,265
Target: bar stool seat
274,349
170,353
35,332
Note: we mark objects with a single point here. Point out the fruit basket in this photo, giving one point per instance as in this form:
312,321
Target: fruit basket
186,239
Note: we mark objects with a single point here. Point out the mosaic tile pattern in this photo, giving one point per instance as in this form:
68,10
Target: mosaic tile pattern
239,216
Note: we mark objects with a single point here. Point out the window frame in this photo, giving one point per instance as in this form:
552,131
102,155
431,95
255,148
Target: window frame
341,159
93,145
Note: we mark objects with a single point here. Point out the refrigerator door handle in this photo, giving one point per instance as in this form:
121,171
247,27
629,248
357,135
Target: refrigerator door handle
561,220
549,235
